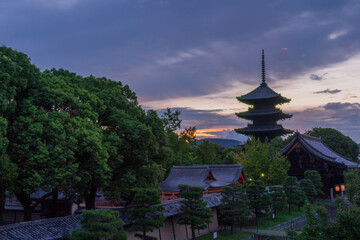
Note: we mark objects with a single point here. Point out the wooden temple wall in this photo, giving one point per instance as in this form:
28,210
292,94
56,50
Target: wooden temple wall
173,231
331,174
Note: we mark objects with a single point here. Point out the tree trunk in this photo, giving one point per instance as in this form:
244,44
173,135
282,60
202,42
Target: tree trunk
232,229
90,195
193,232
25,201
289,208
144,235
2,203
256,219
55,202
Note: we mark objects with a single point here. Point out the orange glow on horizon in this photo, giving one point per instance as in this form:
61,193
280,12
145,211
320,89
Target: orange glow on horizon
206,132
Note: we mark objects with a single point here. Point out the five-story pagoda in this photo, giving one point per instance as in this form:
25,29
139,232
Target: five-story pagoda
263,111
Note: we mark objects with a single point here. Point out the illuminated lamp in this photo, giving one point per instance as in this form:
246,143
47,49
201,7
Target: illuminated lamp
337,188
342,187
262,174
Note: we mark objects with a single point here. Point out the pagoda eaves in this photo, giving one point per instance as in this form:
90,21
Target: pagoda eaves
264,114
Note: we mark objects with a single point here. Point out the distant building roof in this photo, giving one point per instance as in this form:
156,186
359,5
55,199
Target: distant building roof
197,176
316,147
62,227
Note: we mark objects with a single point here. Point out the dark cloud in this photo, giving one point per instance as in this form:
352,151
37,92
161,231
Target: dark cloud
168,49
344,117
329,91
317,77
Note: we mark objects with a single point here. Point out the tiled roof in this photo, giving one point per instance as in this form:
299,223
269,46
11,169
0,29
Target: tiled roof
196,176
59,228
189,175
262,92
44,229
319,149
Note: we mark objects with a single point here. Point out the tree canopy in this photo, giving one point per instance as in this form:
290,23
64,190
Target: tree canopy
100,225
260,163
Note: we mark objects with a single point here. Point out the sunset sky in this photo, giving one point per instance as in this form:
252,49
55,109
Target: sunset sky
198,55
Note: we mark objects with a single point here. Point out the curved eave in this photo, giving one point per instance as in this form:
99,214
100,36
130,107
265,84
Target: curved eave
250,115
312,150
263,92
263,128
275,100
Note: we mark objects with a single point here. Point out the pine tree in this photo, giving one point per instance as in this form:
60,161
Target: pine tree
277,198
100,225
294,195
194,210
308,187
146,212
315,177
258,198
235,205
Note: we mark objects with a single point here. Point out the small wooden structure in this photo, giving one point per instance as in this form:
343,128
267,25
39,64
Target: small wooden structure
310,153
209,177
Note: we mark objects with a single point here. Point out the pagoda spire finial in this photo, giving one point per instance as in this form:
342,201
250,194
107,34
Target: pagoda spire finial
263,67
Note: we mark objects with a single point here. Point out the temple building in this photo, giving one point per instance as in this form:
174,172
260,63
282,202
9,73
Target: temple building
263,111
310,153
209,177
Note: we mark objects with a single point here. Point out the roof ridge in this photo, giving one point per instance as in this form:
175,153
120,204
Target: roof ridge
314,149
193,166
312,137
39,221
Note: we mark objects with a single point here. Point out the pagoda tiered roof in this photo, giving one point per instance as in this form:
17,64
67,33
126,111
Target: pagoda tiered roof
261,93
264,114
254,113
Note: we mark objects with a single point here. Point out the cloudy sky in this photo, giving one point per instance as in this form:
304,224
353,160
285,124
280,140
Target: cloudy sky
198,55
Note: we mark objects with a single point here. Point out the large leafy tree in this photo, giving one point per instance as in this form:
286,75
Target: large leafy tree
337,141
235,206
100,225
258,196
146,212
260,163
193,208
26,150
134,139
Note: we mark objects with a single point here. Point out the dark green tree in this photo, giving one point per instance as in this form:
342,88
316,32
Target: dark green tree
277,198
193,208
189,135
258,196
294,195
260,163
171,120
235,206
309,189
146,212
100,225
352,184
315,177
314,230
207,153
337,141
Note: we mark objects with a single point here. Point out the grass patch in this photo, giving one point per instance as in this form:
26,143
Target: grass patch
283,216
225,235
